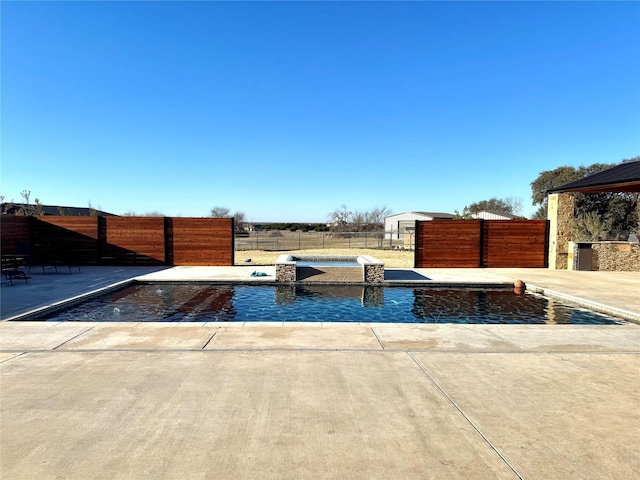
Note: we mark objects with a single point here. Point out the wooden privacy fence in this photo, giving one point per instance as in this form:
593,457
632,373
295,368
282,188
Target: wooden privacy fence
481,243
121,240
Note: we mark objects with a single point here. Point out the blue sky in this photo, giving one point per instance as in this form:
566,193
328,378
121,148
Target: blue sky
288,110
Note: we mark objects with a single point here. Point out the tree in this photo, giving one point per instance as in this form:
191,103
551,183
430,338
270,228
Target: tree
148,214
344,220
223,212
220,212
340,219
238,221
618,212
554,178
591,227
509,206
27,208
598,215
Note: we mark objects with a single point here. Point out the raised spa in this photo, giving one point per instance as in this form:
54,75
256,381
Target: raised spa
287,266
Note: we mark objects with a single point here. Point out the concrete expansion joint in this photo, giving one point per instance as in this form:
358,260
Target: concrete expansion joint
208,341
72,338
465,416
377,338
499,337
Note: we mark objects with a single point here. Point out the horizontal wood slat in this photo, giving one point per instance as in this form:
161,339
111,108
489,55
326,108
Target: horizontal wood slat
122,240
15,232
67,239
515,244
481,243
134,240
448,244
202,241
87,226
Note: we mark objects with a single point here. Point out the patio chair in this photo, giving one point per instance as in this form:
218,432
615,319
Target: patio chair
30,260
17,274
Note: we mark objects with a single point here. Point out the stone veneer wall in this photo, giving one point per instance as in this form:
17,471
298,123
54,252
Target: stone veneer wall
372,269
560,215
286,272
616,256
374,273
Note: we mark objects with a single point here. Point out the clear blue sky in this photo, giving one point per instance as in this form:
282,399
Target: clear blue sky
287,110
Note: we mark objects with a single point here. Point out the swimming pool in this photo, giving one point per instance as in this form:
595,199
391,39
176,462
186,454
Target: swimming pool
179,302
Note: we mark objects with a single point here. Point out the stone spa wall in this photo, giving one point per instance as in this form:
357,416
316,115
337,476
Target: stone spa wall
372,268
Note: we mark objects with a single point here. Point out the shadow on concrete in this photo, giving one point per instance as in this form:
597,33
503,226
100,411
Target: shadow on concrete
45,290
403,275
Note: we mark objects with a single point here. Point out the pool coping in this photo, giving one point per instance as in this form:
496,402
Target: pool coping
597,307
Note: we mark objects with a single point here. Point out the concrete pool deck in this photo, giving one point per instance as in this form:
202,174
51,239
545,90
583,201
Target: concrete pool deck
367,401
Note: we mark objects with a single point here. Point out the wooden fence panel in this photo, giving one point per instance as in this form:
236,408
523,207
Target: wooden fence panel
448,244
15,232
65,238
515,244
133,241
482,243
201,241
121,240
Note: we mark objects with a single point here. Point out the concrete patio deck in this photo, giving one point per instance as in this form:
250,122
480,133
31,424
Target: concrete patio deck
87,400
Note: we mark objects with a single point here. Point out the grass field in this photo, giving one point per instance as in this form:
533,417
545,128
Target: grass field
390,258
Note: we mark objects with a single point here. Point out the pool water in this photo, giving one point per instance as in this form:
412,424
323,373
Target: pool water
327,264
322,303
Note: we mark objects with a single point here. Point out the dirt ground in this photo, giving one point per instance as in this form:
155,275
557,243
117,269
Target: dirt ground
390,258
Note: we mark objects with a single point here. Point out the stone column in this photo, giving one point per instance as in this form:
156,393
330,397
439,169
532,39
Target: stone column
560,216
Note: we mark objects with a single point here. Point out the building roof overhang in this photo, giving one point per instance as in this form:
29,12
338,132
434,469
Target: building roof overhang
621,178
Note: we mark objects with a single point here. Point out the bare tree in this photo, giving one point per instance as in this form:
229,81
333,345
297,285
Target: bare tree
238,220
344,220
223,212
220,212
27,208
148,214
340,219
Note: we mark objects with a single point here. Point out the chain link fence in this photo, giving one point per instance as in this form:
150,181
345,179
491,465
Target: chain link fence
274,240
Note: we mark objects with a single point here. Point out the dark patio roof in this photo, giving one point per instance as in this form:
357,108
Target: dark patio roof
10,208
621,178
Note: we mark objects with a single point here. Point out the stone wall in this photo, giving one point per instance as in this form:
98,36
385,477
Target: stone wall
372,270
373,273
286,272
616,256
560,215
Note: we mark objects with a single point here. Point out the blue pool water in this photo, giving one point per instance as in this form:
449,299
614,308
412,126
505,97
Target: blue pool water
327,264
326,261
322,303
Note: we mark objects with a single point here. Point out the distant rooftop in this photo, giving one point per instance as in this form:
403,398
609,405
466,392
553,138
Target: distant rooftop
498,214
10,208
428,214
